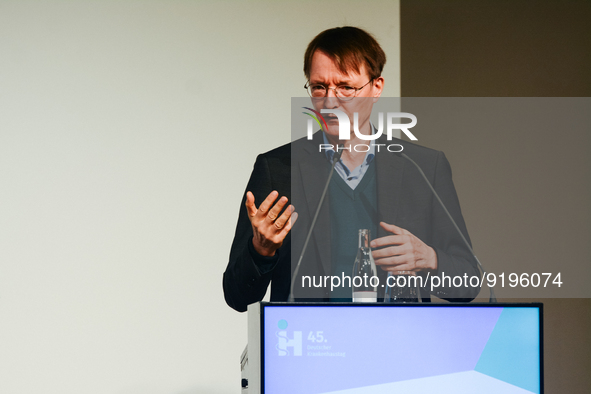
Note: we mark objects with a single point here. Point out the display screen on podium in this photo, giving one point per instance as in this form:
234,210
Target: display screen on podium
389,348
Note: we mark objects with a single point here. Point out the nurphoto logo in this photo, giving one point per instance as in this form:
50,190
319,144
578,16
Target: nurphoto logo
345,124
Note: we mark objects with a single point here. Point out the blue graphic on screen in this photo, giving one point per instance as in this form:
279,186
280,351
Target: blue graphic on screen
512,352
387,349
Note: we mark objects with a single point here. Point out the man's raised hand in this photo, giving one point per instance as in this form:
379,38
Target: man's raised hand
268,227
402,251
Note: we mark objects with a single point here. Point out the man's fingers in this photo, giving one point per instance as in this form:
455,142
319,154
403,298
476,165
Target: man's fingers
391,260
388,240
396,263
397,269
250,207
289,224
274,212
266,205
280,222
387,252
392,228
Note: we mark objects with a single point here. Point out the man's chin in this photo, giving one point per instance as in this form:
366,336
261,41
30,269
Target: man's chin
332,133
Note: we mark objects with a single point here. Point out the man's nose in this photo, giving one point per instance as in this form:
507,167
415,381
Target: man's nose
331,100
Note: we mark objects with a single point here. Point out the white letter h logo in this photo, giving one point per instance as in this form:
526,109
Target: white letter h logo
284,342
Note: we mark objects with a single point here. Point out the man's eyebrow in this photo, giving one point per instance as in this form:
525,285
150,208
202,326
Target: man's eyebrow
342,82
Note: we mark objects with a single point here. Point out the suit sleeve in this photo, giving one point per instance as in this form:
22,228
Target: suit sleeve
248,274
453,257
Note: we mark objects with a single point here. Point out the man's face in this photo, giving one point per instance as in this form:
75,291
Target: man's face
325,72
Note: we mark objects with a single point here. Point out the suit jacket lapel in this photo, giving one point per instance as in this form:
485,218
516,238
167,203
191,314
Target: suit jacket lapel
314,172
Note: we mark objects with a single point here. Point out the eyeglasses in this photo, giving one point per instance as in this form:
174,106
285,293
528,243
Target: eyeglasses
342,92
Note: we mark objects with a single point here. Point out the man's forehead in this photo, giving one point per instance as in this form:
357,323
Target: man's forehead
324,68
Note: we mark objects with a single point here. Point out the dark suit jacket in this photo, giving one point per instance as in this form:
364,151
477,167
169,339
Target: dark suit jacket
299,171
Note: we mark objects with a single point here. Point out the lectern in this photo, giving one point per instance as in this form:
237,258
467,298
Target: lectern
355,348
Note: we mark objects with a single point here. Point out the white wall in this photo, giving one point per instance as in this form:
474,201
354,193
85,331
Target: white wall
117,122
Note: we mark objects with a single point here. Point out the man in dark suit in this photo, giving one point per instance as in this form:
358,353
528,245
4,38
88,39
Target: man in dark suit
372,188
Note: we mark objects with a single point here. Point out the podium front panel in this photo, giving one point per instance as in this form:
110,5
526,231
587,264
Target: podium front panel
387,348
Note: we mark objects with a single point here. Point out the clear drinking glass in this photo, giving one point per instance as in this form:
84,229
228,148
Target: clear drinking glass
402,287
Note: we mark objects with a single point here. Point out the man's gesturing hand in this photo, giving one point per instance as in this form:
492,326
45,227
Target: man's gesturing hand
402,251
269,229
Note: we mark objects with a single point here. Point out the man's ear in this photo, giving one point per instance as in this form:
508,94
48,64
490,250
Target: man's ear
378,86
